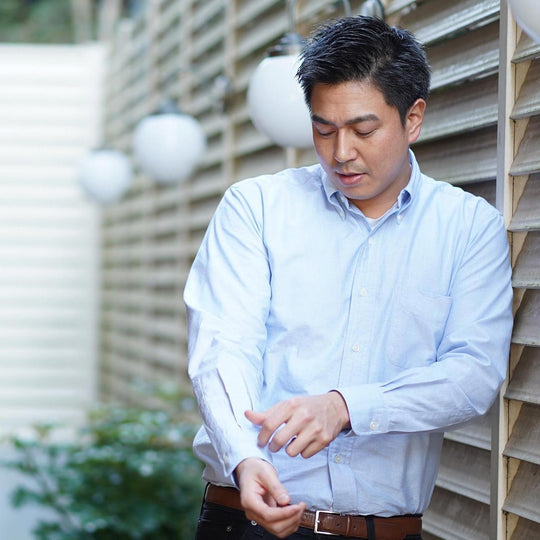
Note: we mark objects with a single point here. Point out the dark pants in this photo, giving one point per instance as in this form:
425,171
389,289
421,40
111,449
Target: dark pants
218,522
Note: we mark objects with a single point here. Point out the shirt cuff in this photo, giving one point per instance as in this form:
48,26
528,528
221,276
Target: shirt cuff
231,456
367,410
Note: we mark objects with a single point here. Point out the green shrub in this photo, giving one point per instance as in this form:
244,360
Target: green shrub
36,21
131,475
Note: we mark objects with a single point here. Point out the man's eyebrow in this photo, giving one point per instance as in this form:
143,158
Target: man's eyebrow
357,120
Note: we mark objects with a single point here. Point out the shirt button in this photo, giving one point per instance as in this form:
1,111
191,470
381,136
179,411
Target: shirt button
356,348
337,459
373,426
363,292
399,218
371,241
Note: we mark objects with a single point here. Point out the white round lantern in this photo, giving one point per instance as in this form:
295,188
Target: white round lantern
105,175
168,146
527,15
276,102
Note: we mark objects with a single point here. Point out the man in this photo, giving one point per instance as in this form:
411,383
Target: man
342,316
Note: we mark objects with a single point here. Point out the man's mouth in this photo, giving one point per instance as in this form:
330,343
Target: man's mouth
349,179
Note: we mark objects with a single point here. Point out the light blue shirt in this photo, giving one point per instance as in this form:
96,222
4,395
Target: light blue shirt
294,293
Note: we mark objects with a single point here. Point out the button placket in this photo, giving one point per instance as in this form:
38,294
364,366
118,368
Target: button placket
354,362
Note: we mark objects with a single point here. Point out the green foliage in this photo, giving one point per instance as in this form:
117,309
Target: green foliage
132,475
36,21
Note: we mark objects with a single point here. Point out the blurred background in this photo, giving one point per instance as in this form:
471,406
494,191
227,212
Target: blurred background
102,211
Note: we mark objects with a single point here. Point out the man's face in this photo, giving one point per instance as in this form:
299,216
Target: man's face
362,144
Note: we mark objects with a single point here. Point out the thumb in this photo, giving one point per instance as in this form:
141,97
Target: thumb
256,418
276,489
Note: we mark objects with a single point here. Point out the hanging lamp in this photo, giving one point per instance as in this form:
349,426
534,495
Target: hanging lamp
168,145
105,174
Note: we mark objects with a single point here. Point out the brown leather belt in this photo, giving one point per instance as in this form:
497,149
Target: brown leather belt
391,528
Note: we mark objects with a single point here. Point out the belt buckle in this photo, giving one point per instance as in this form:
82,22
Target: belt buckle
316,527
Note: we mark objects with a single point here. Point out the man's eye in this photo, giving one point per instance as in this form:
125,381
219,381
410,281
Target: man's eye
364,133
325,133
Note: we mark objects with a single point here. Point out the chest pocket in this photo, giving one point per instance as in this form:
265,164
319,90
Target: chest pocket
417,325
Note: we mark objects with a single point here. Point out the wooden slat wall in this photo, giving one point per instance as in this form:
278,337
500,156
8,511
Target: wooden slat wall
176,50
521,452
459,145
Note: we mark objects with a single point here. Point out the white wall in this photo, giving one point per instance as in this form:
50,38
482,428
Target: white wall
50,115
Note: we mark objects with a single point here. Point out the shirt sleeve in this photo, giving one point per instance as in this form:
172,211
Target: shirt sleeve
472,356
227,297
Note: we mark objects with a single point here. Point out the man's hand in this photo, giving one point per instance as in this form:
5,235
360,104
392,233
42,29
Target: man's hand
264,498
305,425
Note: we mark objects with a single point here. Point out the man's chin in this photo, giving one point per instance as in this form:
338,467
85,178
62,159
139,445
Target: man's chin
354,193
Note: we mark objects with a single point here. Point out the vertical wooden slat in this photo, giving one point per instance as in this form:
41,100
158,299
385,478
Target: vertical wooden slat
520,454
504,193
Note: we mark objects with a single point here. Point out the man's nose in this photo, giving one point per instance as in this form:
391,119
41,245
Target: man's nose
344,149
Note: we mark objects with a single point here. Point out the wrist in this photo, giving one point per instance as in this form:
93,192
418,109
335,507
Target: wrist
245,464
341,408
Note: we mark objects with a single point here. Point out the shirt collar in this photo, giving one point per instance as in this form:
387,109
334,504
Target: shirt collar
407,194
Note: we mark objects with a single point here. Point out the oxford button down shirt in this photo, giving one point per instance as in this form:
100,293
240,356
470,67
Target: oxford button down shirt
294,292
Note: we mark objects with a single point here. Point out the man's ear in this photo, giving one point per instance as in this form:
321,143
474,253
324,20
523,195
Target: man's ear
414,119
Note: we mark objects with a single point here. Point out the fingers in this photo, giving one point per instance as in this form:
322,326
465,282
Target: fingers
256,418
273,511
280,521
291,431
306,445
260,419
302,434
262,513
302,425
274,488
259,484
306,450
280,423
269,421
265,499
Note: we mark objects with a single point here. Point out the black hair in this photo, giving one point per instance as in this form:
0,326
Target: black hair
365,48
